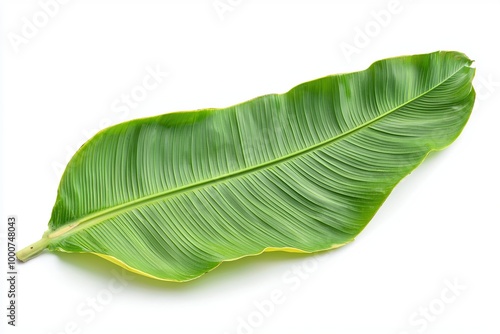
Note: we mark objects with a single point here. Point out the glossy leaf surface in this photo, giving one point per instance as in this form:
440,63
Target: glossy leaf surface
173,196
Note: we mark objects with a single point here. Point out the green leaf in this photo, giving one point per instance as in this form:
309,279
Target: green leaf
173,196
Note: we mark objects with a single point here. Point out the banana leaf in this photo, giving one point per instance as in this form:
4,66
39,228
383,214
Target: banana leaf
173,196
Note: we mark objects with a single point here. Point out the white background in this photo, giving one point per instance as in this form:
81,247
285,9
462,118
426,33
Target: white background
440,225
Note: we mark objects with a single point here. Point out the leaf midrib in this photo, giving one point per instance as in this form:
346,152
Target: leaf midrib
103,215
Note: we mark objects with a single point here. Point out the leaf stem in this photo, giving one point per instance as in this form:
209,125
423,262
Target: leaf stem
32,250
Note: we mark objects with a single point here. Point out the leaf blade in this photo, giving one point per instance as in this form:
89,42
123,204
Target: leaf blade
303,170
